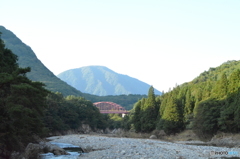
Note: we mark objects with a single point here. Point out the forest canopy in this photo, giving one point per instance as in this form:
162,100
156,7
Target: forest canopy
28,109
208,104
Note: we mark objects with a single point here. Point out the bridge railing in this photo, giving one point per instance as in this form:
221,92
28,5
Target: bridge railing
113,112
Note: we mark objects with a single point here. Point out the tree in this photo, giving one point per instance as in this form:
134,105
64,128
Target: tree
234,82
172,118
136,119
206,120
221,87
150,112
21,104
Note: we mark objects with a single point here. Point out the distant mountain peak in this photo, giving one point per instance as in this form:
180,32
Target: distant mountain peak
100,80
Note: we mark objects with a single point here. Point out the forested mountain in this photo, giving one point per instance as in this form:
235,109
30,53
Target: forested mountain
100,80
207,104
29,111
27,58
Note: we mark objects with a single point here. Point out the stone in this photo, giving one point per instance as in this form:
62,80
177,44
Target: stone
59,151
33,150
162,133
225,141
114,131
153,137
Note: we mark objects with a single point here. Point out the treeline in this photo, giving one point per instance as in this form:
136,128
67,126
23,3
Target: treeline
126,101
208,104
65,113
28,110
39,72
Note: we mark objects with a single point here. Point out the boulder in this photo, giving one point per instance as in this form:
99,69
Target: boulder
225,141
114,131
54,149
107,131
153,137
32,151
85,129
161,133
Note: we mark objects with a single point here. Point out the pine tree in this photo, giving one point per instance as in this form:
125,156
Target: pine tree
237,113
229,115
150,112
21,104
234,82
206,119
172,118
189,105
221,87
136,119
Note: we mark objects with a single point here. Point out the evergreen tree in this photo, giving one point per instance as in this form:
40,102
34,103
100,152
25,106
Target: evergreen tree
189,105
237,113
206,120
221,87
150,112
21,104
172,118
229,115
136,119
234,82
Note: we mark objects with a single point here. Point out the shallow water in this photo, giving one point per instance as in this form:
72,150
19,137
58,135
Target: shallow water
73,150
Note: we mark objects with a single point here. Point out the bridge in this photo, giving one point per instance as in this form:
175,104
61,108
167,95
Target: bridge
110,108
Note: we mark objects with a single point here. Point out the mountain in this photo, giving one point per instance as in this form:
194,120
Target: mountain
27,58
208,104
100,80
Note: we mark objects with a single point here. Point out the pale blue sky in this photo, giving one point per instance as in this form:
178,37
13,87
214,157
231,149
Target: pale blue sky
161,42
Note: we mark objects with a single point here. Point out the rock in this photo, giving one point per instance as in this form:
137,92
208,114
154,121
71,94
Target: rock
33,150
85,129
123,152
225,141
153,137
88,149
114,131
59,151
162,133
107,131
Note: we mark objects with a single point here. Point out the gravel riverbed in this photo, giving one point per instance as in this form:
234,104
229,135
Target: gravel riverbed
101,147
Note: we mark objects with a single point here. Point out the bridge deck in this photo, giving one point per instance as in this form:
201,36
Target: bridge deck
110,108
113,112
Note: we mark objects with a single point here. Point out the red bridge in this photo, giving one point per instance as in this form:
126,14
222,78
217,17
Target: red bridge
110,108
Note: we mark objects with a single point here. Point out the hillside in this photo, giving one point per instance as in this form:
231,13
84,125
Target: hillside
100,80
214,74
27,58
207,105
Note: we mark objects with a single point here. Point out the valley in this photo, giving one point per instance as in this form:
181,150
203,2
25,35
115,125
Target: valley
121,147
31,95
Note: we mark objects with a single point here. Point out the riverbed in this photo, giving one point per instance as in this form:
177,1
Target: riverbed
101,147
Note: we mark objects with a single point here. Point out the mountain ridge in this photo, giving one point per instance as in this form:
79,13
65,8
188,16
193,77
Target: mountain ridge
39,72
100,80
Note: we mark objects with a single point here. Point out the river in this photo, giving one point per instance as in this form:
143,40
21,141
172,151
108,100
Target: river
73,150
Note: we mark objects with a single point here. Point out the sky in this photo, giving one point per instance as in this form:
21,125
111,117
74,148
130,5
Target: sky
160,42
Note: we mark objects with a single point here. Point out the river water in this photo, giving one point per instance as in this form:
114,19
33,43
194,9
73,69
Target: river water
73,150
